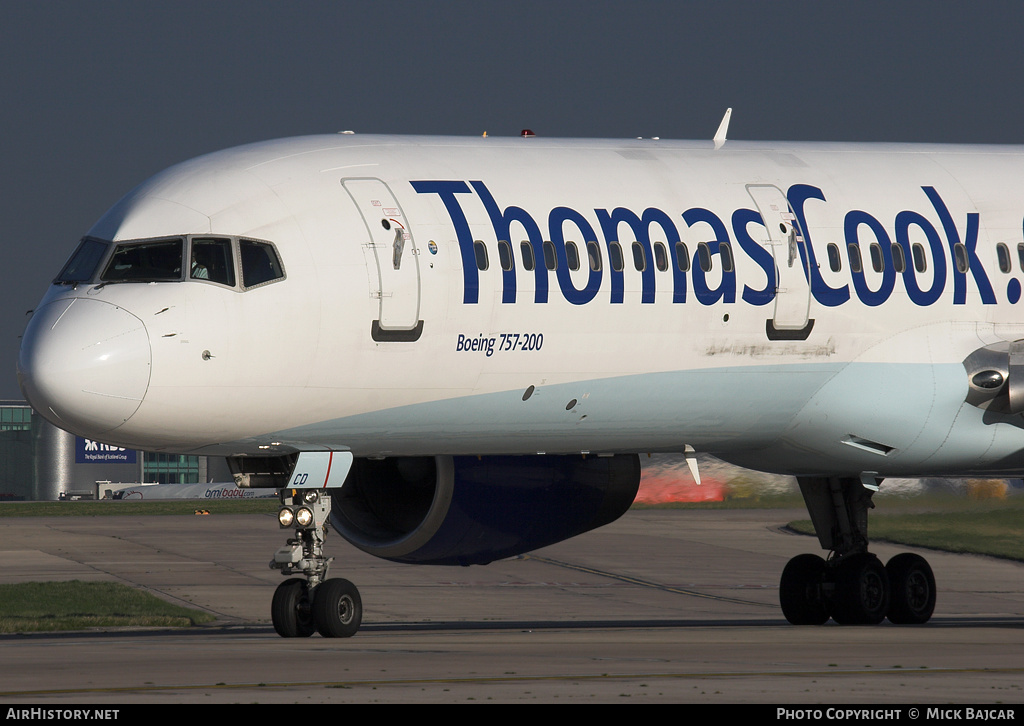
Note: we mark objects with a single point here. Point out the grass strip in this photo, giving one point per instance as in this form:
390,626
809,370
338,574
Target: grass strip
75,605
992,531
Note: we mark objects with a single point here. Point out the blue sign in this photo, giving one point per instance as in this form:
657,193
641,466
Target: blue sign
88,451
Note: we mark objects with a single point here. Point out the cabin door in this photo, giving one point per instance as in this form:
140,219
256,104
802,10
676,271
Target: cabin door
787,243
393,256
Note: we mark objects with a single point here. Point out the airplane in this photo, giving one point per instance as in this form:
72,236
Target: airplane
454,350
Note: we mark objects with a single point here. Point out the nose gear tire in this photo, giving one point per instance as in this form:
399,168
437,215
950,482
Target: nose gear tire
337,608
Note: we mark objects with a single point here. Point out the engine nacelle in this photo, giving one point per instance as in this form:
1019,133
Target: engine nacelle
468,510
995,376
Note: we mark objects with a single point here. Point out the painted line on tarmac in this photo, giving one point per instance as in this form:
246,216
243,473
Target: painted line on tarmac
644,583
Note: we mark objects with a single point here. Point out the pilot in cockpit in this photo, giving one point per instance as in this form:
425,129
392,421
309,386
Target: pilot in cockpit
199,271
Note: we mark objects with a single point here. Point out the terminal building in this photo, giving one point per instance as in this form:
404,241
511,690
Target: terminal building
39,462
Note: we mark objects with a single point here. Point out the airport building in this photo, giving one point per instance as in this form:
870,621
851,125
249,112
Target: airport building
39,462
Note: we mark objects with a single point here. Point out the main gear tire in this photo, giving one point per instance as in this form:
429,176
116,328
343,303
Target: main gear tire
800,591
912,589
861,591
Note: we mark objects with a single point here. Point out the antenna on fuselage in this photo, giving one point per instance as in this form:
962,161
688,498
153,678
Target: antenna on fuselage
723,129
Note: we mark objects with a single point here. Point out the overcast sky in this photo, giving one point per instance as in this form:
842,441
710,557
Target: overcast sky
97,96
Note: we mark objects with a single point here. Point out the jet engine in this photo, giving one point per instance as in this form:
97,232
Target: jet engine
468,510
995,375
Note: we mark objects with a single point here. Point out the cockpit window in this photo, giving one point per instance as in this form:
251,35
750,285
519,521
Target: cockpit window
145,261
212,260
259,263
83,263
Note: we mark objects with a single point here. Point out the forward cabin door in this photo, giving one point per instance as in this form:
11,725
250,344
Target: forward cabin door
395,259
787,243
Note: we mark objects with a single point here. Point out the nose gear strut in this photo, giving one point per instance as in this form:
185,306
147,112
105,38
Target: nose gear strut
331,607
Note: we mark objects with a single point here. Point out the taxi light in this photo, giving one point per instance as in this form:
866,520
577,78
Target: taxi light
285,517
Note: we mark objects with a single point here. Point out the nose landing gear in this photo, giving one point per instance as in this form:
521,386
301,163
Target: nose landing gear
301,606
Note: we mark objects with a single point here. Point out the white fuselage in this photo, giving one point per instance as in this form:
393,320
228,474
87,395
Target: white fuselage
385,337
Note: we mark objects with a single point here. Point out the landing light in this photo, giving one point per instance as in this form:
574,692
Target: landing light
304,517
988,379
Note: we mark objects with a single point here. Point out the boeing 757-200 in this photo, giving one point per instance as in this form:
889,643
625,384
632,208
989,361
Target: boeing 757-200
453,350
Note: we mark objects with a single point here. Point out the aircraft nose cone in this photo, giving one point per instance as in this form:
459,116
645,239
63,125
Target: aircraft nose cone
84,364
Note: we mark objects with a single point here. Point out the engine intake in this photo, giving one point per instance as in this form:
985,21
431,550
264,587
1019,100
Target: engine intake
468,510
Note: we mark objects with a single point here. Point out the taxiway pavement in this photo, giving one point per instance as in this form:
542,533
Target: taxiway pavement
662,605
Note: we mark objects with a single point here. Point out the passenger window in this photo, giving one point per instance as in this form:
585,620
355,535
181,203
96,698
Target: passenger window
726,253
920,261
615,256
639,258
145,262
1003,252
259,263
212,260
505,255
962,262
855,262
704,256
682,257
550,260
480,250
899,260
660,256
594,253
835,262
877,261
572,256
526,249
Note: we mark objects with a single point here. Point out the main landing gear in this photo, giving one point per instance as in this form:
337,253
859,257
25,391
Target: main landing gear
852,587
312,603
